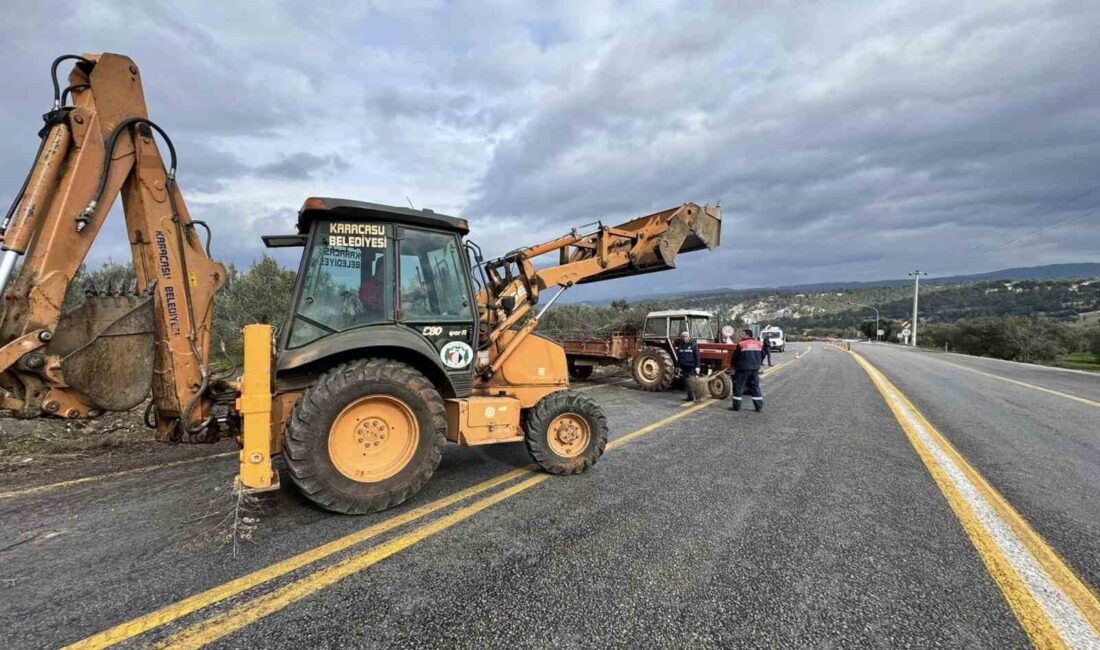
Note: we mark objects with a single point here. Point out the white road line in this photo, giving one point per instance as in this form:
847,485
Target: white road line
1059,609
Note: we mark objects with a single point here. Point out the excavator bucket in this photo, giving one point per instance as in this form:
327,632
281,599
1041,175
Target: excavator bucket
664,235
108,337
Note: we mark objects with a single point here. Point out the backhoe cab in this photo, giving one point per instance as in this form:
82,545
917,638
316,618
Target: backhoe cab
401,337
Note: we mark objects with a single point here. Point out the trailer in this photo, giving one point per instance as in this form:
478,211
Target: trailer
650,355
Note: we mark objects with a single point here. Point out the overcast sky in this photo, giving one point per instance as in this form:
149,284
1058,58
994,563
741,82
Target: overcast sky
846,141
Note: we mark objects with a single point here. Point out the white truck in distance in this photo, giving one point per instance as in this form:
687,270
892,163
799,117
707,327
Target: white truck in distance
775,335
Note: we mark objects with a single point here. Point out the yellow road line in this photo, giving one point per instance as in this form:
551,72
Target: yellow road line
101,477
250,611
763,373
617,382
1055,608
234,587
1086,402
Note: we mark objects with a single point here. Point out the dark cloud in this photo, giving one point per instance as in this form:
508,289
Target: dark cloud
301,166
845,141
893,136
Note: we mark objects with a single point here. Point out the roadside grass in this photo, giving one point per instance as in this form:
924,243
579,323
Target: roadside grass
1079,361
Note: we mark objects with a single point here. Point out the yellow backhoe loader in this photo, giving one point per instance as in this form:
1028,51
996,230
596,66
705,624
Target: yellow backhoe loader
401,336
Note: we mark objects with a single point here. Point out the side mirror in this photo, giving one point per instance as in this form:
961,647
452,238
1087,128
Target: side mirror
509,303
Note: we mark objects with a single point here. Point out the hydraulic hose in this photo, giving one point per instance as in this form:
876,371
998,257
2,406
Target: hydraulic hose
58,100
22,188
65,93
85,217
53,75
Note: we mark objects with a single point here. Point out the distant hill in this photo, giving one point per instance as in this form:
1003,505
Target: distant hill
1064,292
1080,270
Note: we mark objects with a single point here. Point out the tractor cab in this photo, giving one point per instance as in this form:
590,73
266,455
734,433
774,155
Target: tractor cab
379,276
666,326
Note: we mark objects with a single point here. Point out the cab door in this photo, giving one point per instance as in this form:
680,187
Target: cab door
435,297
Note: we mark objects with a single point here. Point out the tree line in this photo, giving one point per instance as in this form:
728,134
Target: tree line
262,293
1030,339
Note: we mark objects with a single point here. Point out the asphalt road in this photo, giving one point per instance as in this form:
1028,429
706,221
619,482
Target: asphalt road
816,523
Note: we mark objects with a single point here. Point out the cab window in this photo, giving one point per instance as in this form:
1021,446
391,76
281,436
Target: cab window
347,282
656,327
433,280
700,329
676,326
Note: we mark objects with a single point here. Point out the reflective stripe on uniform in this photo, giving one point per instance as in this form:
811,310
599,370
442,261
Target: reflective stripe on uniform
759,398
737,398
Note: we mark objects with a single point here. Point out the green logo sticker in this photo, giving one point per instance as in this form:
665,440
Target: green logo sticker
456,354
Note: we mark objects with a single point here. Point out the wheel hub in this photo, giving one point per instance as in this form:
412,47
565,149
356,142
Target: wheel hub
569,435
650,368
373,438
371,432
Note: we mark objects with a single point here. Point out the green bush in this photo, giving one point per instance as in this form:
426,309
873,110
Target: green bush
259,295
1016,338
1092,338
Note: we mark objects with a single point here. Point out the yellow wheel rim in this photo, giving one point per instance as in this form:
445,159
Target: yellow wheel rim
568,435
650,369
373,438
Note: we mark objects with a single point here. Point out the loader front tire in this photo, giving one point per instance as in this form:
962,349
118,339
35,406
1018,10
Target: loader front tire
653,369
565,432
366,436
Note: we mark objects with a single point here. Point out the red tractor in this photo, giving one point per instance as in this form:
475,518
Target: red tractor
652,354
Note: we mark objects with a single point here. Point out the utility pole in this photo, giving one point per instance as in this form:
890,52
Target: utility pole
916,290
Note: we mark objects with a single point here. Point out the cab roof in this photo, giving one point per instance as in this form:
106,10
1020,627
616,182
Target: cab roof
679,312
329,208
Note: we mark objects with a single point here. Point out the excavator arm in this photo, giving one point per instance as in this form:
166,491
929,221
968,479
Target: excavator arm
514,282
105,354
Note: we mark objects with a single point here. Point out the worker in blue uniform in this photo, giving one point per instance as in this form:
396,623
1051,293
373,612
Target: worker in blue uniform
687,357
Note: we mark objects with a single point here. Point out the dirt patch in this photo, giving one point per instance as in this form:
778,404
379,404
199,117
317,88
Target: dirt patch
51,449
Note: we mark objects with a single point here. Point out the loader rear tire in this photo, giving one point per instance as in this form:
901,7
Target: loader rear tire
366,436
565,432
653,369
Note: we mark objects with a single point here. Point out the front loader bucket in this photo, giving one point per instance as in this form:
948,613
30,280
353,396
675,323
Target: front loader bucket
688,233
664,235
106,350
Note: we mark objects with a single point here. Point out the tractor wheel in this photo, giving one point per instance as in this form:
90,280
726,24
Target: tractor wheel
565,432
720,386
366,436
653,369
580,373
